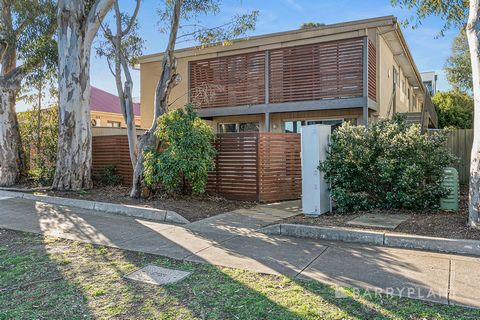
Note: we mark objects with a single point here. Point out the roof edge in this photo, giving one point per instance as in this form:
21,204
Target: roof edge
390,19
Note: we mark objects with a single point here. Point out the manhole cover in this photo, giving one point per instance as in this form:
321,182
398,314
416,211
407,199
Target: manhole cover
157,275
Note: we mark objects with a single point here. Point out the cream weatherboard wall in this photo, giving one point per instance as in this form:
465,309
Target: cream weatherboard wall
385,71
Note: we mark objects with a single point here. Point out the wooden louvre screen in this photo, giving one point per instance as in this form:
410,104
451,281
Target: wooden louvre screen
228,81
372,71
112,150
317,71
257,166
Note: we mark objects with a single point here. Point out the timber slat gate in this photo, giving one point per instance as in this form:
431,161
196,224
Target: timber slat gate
257,166
254,166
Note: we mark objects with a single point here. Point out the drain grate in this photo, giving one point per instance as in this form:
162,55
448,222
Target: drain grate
157,275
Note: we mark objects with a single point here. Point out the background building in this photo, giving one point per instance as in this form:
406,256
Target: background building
429,80
106,112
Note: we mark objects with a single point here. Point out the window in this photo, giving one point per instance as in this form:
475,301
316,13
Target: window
296,126
395,76
113,124
429,87
239,127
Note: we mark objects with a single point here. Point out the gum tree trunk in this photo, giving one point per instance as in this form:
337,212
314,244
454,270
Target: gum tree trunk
12,162
125,92
168,79
76,31
473,29
11,153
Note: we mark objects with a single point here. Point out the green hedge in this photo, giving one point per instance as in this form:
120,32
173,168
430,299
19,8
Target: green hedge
389,165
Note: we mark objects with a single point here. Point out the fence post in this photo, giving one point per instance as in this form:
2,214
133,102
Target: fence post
258,165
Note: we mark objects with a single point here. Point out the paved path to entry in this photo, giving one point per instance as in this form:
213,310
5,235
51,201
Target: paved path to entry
232,240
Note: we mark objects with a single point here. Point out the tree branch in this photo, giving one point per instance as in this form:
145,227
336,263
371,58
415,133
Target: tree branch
132,20
95,17
166,81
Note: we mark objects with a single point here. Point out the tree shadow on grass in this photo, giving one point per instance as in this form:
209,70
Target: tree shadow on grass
31,283
210,292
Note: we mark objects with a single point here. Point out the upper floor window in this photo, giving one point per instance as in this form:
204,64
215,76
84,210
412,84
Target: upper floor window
113,124
429,87
395,76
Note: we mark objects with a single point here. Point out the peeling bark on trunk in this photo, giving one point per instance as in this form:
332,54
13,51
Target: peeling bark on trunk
12,159
129,120
74,161
11,153
75,35
168,79
473,30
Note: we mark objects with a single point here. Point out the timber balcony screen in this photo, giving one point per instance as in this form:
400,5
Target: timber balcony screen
325,70
228,81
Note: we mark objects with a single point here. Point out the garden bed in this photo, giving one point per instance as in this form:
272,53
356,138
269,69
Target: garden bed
192,208
432,223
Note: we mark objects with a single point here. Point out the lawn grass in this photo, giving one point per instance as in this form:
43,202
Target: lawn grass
50,278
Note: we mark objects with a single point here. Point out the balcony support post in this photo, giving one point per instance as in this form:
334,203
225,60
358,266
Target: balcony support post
365,80
267,89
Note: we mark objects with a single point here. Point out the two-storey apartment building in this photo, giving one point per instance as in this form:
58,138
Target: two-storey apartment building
355,71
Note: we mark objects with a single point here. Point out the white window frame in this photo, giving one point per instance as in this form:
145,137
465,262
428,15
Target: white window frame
237,125
310,119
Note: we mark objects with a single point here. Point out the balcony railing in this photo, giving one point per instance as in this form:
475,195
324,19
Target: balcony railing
327,70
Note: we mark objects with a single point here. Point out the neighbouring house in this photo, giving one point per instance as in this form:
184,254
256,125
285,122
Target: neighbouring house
429,79
106,112
355,71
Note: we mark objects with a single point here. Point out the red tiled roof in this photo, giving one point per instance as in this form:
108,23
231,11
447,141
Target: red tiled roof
106,102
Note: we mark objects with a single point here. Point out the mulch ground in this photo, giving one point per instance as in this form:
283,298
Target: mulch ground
433,223
192,208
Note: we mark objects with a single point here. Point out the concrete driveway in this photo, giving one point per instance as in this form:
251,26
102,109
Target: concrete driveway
232,240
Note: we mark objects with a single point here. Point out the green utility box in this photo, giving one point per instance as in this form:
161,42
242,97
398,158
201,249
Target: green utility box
450,202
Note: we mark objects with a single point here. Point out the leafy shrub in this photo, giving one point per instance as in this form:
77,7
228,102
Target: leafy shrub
454,108
41,173
187,153
389,165
108,176
40,143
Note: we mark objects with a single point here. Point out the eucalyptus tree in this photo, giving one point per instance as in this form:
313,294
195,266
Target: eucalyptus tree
461,14
121,48
171,16
26,44
458,67
78,23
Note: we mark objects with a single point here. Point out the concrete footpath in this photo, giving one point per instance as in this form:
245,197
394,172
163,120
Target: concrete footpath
232,240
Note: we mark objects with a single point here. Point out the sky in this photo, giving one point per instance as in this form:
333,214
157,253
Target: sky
429,51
